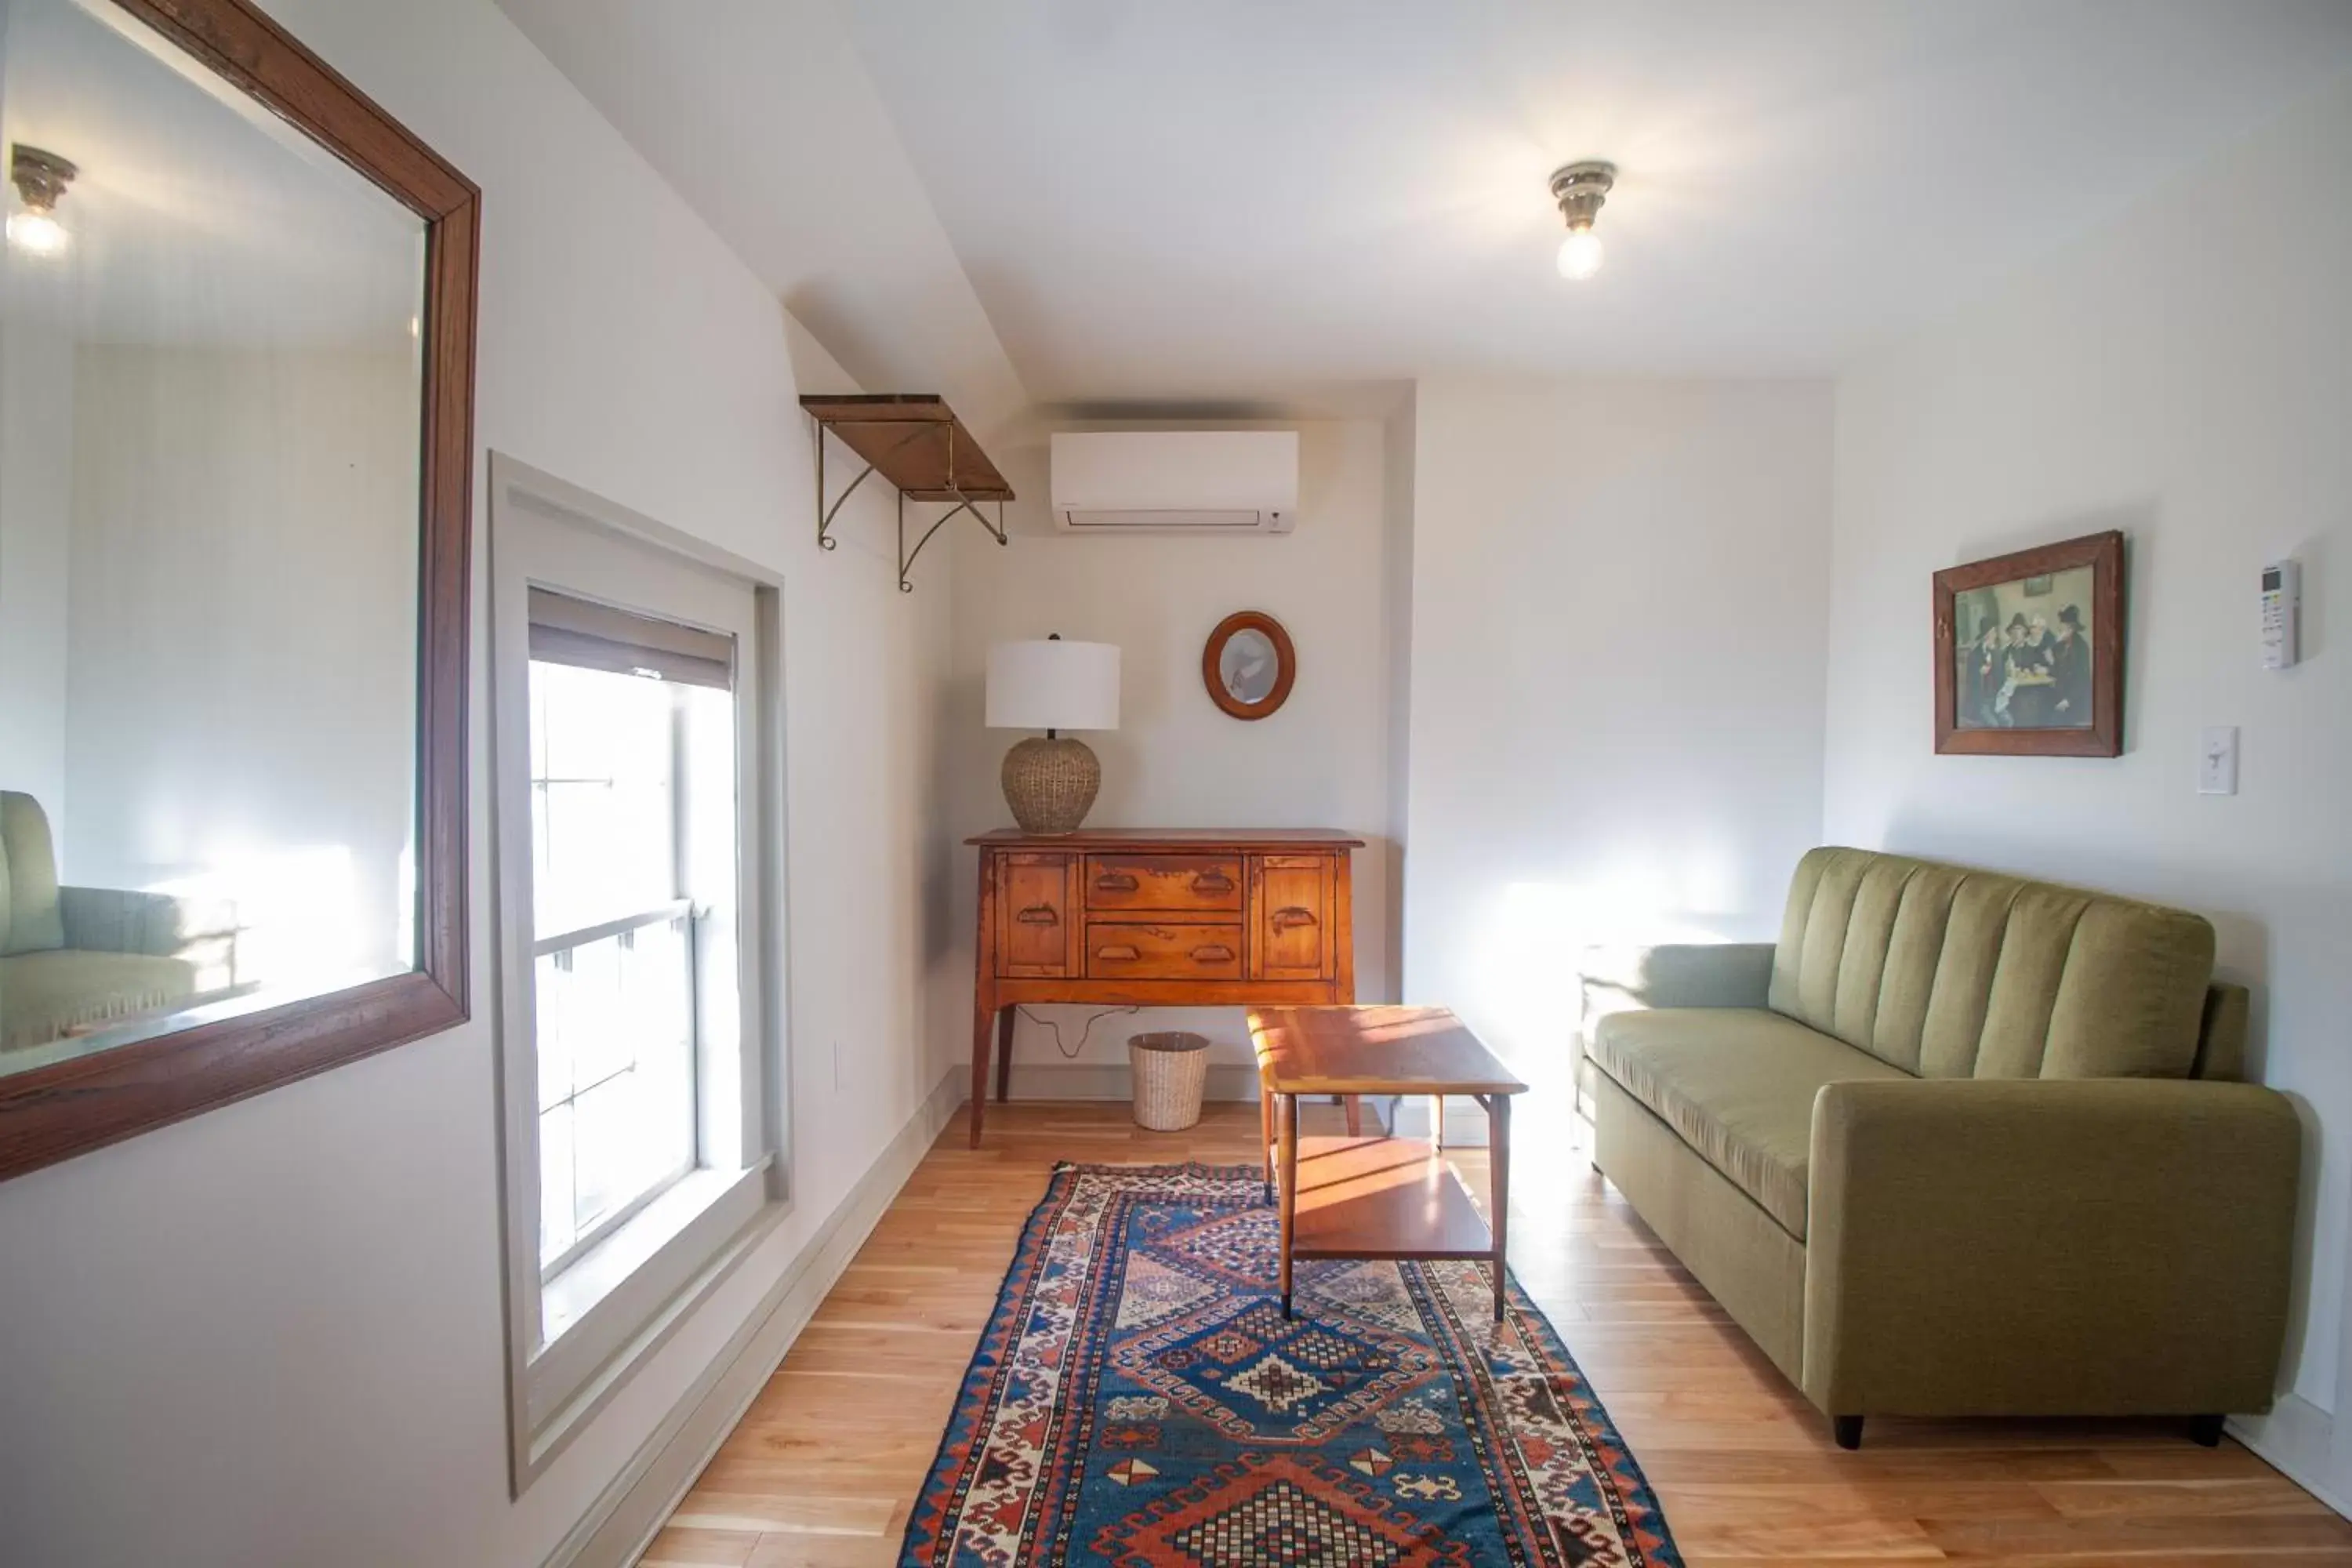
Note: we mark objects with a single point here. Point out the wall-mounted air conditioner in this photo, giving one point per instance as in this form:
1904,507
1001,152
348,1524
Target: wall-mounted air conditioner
1176,482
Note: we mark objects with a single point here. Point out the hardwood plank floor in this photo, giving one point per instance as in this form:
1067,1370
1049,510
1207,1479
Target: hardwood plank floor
824,1467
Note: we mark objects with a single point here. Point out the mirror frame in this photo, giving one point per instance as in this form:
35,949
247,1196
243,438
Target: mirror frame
55,1112
1286,663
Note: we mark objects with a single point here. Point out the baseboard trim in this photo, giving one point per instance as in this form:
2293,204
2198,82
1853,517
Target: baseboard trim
629,1513
1115,1080
2296,1439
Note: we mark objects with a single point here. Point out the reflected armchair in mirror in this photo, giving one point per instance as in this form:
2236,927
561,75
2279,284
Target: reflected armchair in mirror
85,968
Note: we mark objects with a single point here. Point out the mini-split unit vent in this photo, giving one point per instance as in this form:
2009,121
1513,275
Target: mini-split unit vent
1176,482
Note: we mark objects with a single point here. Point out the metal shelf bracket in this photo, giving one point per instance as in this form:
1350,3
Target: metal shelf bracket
942,485
907,556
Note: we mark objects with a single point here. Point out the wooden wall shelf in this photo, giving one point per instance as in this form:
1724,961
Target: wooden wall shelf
920,449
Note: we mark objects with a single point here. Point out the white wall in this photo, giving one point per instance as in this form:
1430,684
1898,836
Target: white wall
273,1333
243,618
1177,759
37,369
2189,381
1618,590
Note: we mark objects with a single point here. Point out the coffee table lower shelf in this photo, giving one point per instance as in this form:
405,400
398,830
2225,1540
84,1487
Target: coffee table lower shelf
1382,1197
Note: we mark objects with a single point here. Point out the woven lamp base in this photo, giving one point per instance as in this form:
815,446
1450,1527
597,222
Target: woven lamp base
1050,783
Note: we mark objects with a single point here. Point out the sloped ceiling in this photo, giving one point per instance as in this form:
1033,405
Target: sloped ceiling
760,112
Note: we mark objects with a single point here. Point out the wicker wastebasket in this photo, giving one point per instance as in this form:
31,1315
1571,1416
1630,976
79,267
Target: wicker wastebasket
1171,1070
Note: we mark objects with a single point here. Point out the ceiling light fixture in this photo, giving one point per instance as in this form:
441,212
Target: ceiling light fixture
1579,189
41,179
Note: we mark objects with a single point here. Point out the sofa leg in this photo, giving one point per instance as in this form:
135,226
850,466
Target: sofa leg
1848,1431
2205,1431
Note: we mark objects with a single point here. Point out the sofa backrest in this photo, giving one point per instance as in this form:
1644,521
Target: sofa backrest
30,918
1952,973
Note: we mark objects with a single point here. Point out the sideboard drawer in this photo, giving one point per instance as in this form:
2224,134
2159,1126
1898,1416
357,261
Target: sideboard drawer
1177,884
1036,916
1134,950
1292,917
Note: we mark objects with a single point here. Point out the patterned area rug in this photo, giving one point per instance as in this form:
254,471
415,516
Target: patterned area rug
1137,1400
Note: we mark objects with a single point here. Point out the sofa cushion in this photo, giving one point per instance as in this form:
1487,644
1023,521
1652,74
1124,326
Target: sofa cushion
43,996
1736,1084
1952,973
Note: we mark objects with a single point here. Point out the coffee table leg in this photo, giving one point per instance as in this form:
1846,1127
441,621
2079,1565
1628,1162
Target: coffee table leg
1498,1172
1266,1137
1288,1188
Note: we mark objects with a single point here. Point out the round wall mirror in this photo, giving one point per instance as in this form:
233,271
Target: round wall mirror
1249,664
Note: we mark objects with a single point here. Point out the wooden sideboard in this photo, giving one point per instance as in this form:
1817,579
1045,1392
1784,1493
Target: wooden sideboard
1181,918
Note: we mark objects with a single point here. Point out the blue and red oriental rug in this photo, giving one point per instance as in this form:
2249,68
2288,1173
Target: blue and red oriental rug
1139,1400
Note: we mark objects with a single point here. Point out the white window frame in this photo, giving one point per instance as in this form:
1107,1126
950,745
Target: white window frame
574,1337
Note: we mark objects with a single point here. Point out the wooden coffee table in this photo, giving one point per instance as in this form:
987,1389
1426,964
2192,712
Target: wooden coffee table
1378,1197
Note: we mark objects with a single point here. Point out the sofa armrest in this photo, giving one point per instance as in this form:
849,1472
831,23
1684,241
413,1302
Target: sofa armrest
2020,1247
160,925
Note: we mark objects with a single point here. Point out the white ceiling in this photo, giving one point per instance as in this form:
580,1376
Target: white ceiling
1235,200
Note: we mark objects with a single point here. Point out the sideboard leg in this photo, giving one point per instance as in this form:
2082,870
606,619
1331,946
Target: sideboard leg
1005,1017
1354,1106
984,1020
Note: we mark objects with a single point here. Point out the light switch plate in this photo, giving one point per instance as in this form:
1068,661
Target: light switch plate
2217,760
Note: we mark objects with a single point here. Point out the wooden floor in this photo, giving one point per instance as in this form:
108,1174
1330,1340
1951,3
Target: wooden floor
823,1469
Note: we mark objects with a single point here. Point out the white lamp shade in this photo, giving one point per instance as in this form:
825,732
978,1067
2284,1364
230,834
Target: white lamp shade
1053,685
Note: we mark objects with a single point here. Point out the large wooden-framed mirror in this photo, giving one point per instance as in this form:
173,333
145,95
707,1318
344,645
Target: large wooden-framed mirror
236,345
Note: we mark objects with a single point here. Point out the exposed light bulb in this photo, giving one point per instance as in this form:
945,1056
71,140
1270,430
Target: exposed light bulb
1580,254
37,233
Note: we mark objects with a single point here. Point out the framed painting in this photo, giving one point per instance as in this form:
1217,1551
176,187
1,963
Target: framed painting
2030,652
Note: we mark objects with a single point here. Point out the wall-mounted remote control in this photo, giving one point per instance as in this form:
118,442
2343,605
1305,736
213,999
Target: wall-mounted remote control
2282,609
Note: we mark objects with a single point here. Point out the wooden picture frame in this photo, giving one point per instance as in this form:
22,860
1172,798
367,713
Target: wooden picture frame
2008,684
1213,655
68,1108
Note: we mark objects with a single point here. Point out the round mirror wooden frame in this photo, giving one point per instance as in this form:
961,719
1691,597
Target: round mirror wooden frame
54,1112
1212,657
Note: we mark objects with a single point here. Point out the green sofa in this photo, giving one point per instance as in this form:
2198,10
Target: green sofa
1958,1144
77,960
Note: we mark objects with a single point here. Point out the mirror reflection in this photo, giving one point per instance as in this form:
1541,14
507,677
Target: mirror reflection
210,394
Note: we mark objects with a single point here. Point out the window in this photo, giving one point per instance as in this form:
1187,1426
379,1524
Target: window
637,837
633,866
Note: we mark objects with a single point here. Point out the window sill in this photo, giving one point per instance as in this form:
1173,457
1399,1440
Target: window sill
612,1306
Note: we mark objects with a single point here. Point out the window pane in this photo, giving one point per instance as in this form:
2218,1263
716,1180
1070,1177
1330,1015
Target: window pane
615,1030
604,825
556,1230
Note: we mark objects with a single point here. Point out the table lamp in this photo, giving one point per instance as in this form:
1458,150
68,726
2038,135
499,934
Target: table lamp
1050,781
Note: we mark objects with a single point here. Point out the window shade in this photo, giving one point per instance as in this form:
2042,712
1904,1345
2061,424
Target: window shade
564,630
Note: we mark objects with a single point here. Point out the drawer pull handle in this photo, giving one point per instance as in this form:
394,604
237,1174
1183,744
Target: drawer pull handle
1283,919
1212,882
1114,882
1039,915
1120,950
1214,952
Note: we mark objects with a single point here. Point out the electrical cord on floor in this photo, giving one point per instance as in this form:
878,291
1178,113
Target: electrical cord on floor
1070,1053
